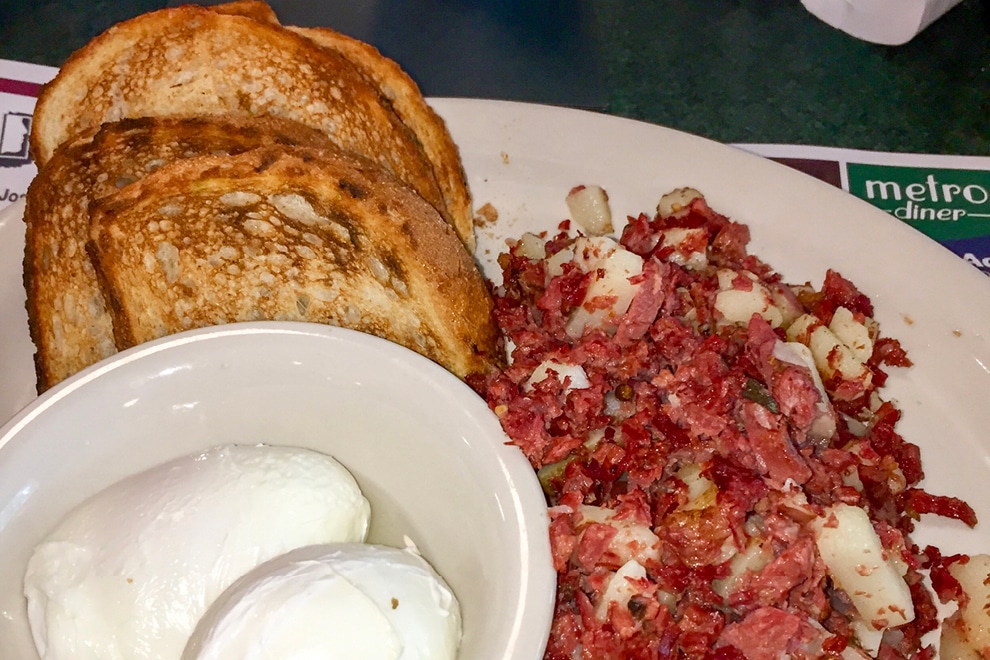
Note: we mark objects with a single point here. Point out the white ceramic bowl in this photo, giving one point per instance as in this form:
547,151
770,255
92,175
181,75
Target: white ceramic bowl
426,450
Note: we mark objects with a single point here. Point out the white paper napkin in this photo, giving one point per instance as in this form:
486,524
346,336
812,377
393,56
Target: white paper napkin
890,22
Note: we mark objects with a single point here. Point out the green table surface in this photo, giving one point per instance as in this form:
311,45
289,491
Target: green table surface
731,70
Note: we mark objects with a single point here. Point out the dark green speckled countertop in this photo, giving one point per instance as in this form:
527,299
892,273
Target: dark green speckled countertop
731,70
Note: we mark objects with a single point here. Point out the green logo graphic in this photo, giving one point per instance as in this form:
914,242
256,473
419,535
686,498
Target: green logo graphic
945,204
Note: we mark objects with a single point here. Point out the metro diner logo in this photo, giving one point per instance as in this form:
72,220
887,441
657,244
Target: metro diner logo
951,206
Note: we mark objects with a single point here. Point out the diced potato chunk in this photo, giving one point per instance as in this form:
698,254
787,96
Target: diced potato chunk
787,303
751,560
574,374
613,266
631,541
832,356
690,246
852,333
555,263
972,627
953,643
856,560
589,208
737,305
869,638
621,587
674,202
701,490
531,246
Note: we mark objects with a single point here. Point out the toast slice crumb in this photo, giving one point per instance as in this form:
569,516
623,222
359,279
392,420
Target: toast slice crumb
290,234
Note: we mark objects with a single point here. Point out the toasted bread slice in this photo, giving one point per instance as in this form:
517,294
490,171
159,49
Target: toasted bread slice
407,100
190,61
68,319
290,234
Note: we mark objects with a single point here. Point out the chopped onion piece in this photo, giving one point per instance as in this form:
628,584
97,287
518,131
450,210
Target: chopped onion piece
792,352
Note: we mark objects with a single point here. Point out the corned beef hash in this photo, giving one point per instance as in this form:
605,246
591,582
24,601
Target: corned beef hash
725,480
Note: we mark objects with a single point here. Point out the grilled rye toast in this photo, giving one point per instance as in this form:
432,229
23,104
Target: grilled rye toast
191,61
68,319
289,234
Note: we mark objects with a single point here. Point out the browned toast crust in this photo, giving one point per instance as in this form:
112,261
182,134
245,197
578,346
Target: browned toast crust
254,9
67,315
290,234
407,100
191,61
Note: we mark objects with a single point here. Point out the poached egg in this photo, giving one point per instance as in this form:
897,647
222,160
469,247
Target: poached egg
333,602
129,572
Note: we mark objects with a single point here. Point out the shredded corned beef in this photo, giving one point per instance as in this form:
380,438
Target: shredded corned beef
686,448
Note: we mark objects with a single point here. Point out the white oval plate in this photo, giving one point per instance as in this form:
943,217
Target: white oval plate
524,158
